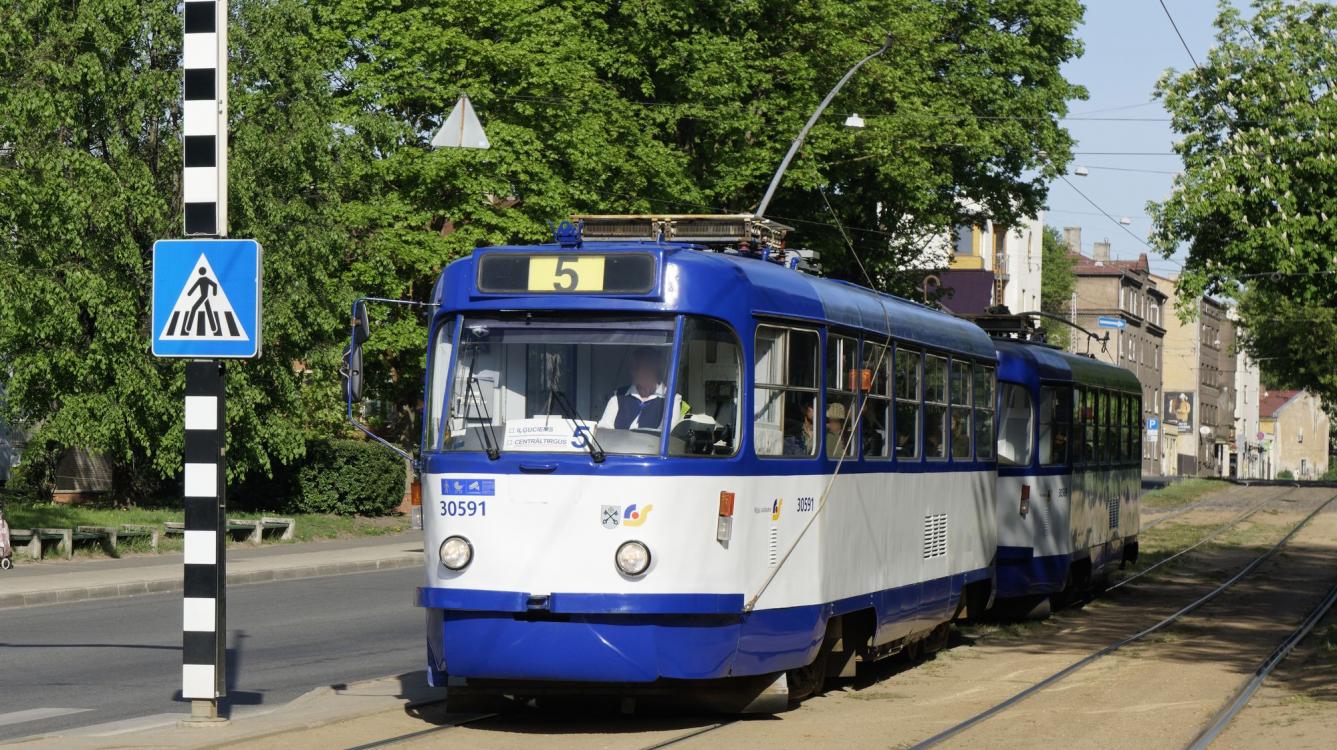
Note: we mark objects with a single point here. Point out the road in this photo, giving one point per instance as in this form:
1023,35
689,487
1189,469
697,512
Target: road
119,660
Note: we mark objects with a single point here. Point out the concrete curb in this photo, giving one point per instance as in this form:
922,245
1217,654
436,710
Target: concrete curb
164,586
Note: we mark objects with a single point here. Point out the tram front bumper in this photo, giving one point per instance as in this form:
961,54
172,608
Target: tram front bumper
611,638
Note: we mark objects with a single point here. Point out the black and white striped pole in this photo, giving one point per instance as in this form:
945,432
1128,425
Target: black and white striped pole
204,197
204,602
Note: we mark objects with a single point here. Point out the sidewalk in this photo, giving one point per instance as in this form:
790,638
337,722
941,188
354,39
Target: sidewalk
396,702
55,582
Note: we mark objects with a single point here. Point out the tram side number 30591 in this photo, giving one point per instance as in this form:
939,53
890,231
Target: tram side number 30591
464,507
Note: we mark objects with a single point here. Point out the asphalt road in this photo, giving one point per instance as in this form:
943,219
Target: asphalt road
92,663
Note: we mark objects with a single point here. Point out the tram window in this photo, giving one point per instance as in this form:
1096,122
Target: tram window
984,405
516,376
1125,455
445,336
786,392
875,420
1055,425
842,382
1014,425
1135,422
908,365
935,407
960,413
1091,426
708,387
1110,420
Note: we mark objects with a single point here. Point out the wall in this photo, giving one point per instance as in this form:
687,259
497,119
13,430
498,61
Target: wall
1248,461
1300,438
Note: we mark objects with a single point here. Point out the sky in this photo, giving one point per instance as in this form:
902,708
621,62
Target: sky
1129,45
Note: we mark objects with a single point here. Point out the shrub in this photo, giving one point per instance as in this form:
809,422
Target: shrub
1285,474
347,477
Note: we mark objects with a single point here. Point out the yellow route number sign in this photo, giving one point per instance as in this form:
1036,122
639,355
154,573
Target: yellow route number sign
566,273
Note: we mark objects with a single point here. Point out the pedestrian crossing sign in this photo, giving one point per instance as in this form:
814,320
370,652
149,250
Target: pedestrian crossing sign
206,299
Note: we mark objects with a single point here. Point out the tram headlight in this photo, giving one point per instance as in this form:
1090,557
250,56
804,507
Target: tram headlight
456,552
632,558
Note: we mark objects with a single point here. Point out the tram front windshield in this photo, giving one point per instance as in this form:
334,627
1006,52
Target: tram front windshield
543,383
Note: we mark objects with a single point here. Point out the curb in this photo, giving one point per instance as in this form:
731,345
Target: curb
139,588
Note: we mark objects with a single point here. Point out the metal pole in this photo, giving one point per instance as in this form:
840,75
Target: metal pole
798,141
204,603
204,494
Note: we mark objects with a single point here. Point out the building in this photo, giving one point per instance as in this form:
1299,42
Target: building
1198,384
1246,458
1107,291
1295,435
991,264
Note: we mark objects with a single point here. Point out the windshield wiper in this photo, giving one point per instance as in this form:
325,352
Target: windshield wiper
476,399
591,443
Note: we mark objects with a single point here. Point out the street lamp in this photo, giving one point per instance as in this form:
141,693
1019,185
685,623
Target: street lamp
1081,171
798,141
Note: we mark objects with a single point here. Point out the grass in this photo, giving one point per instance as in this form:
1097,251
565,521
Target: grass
310,526
1181,493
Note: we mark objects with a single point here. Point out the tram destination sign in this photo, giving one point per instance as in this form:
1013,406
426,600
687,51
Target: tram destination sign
567,273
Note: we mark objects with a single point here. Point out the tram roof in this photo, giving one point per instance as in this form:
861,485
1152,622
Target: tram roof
1028,362
767,290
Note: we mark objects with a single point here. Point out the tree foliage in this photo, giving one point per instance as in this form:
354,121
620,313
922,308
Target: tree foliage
1259,185
645,105
1057,283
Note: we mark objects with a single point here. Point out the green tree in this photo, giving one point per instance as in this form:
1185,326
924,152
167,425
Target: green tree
1057,282
668,106
90,177
646,105
1260,182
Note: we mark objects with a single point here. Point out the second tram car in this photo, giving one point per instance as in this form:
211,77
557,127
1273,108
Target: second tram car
646,464
1069,470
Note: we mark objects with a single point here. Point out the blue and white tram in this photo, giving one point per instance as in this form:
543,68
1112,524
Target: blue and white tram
1069,470
824,490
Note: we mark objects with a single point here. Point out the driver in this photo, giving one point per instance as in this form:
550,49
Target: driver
639,406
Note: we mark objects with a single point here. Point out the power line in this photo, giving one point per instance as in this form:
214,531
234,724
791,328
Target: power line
1107,215
1175,26
1129,169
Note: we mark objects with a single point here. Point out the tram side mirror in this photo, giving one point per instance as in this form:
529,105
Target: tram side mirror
361,331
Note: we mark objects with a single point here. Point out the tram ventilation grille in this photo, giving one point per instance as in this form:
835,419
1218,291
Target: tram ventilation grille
773,548
1043,511
935,535
1114,512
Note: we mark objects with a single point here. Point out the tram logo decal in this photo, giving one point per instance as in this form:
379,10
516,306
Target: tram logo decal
633,517
775,509
469,486
611,516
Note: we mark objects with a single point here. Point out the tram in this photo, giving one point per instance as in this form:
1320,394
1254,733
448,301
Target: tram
657,454
1069,471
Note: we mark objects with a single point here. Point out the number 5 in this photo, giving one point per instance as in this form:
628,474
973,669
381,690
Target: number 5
581,437
569,273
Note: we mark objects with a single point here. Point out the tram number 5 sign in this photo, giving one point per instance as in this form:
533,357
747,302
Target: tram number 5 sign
206,299
566,273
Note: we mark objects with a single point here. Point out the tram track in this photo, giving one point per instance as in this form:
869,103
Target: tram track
1223,528
689,735
1245,692
1090,659
420,733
